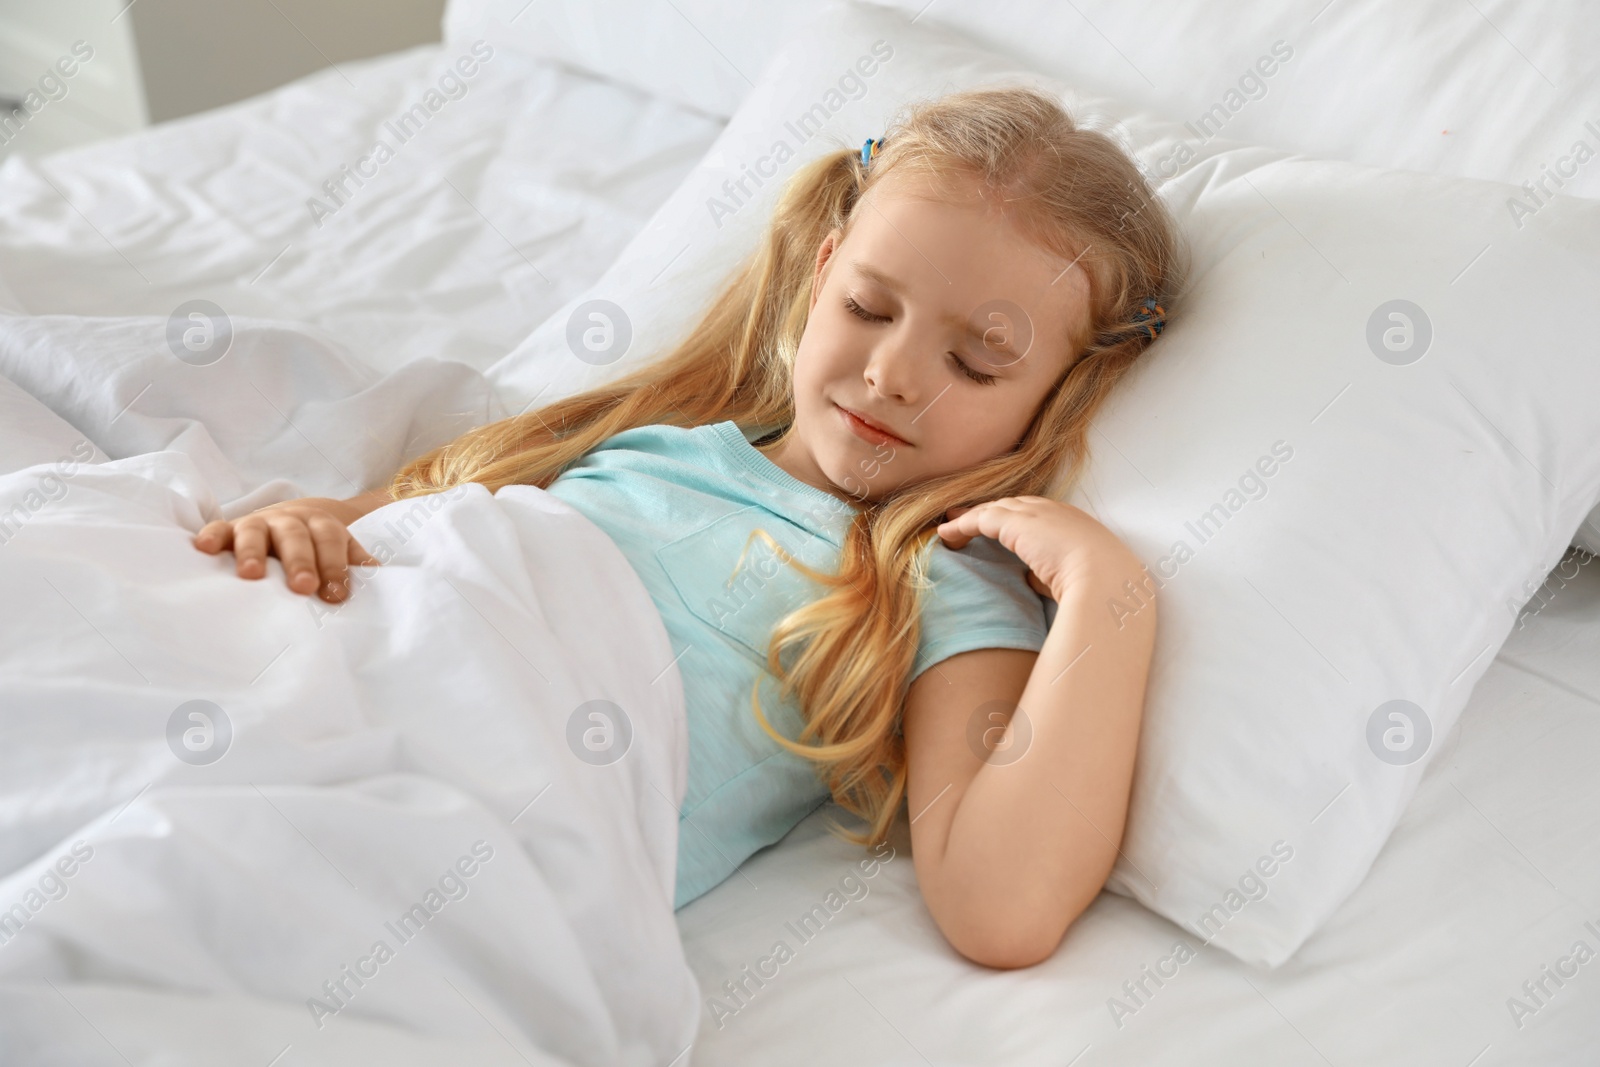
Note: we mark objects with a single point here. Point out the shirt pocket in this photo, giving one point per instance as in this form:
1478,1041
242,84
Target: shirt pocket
736,584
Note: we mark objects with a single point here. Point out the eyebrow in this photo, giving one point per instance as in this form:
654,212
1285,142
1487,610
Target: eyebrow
873,274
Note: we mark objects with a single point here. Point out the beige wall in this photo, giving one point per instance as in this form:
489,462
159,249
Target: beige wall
199,54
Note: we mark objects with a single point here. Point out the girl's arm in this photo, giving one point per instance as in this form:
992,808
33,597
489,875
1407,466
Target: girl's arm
1014,836
310,535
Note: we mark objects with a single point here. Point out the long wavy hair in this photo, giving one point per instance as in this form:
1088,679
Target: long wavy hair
850,652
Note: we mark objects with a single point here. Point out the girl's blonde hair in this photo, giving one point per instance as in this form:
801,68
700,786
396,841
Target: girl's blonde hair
851,650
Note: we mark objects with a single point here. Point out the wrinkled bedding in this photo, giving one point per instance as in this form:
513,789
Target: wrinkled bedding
442,815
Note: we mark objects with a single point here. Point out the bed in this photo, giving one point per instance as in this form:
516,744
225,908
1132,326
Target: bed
505,222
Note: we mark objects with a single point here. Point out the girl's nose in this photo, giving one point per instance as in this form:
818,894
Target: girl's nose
892,372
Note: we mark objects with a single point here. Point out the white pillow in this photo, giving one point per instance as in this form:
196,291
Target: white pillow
1370,517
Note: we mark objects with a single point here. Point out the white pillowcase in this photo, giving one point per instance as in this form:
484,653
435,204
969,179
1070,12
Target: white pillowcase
1371,513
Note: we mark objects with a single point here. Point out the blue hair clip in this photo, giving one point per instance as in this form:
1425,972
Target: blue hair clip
1152,316
870,149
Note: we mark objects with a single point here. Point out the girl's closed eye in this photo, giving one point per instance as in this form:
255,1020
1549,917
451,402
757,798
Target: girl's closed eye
977,376
867,316
862,313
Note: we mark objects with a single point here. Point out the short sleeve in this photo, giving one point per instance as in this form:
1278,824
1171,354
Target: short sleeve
980,598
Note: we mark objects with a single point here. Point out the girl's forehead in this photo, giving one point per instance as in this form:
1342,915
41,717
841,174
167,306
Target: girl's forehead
957,203
959,254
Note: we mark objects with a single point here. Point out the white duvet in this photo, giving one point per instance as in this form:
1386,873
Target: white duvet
436,823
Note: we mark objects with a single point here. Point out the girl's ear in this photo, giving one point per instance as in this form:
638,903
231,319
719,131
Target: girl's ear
824,254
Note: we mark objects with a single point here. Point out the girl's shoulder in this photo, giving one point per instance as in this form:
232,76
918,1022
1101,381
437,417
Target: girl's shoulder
982,562
978,596
981,583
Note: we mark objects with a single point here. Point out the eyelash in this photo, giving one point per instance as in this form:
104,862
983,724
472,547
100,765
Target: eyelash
866,316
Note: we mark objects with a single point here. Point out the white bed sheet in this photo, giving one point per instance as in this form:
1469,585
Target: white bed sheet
1489,877
510,199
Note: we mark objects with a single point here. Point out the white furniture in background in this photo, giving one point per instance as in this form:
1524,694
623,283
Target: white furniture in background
101,97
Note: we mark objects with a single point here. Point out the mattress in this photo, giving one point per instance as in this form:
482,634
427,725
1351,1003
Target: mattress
483,219
1490,877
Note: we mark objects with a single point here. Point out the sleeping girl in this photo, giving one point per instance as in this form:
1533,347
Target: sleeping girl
840,492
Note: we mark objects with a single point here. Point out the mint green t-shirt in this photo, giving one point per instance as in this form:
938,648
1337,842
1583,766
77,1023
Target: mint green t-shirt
681,504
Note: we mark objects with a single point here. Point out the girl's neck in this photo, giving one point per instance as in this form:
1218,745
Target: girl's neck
781,451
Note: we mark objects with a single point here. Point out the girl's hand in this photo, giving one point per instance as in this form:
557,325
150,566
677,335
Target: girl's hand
309,535
1057,541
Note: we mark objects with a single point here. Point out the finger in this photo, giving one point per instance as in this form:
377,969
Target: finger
250,538
962,526
328,535
953,538
991,519
214,536
983,520
293,543
359,556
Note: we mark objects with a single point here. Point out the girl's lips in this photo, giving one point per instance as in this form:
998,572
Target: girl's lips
868,432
